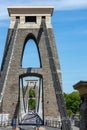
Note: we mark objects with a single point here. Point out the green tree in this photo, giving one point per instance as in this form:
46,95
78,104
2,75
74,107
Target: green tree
31,104
31,93
69,112
72,102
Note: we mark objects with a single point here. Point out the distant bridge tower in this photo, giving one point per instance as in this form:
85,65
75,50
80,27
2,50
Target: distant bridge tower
32,23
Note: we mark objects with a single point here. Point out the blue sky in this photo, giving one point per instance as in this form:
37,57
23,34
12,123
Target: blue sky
69,23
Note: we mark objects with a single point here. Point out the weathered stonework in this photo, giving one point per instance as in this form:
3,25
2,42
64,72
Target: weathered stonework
22,12
10,102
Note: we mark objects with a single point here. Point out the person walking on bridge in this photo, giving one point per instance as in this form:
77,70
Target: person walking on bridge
14,124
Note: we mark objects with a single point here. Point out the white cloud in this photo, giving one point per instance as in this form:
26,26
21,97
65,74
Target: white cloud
58,5
71,4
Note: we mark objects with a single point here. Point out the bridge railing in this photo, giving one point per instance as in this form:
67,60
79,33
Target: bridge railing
53,123
4,119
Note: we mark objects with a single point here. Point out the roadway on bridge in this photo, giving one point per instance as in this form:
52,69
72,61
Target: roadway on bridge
33,128
31,118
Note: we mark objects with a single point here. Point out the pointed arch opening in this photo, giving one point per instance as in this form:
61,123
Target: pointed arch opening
31,99
31,55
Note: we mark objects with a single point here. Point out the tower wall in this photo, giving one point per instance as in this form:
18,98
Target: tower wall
10,102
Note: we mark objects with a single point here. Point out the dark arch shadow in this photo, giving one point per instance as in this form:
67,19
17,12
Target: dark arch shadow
30,74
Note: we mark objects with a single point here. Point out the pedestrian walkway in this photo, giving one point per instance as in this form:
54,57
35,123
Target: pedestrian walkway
33,128
75,128
29,128
41,128
6,128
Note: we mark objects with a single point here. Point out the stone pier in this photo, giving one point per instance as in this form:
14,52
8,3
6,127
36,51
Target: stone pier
82,88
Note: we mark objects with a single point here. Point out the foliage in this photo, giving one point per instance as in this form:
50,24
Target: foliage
31,104
31,93
72,102
69,112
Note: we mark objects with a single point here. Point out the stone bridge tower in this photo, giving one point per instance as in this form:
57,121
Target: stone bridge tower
31,23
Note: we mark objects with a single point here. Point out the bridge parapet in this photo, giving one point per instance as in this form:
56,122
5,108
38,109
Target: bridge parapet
53,122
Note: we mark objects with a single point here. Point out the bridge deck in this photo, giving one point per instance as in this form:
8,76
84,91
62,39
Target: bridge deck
33,128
